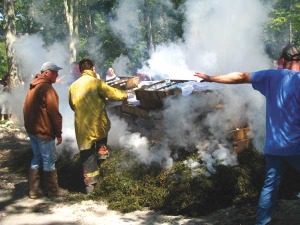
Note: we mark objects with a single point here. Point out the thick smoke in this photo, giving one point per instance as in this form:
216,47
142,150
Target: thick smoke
218,38
31,54
221,29
121,66
126,22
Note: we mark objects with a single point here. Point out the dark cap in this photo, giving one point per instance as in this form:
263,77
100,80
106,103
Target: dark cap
50,66
291,53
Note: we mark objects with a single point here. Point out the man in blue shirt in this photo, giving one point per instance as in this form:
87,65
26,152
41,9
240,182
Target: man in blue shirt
281,89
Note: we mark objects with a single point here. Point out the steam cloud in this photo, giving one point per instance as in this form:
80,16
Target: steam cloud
217,39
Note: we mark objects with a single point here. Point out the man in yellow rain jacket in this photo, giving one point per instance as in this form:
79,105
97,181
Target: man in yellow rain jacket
87,96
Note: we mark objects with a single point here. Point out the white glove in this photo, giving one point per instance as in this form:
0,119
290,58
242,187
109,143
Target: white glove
130,95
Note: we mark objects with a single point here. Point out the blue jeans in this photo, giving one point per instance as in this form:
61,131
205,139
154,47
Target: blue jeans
44,153
275,167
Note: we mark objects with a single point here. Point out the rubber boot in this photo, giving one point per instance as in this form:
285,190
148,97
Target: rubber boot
34,184
53,190
89,189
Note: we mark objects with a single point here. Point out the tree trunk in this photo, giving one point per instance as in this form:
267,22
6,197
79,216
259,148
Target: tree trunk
290,24
71,11
10,35
148,25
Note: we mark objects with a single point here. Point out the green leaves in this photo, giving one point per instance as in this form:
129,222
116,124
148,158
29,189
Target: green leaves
3,60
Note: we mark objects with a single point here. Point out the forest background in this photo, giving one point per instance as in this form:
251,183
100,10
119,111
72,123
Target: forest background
193,170
89,28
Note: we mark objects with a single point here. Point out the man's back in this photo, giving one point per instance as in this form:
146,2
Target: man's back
87,97
41,114
85,94
281,89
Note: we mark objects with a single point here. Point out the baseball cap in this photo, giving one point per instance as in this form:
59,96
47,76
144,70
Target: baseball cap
50,66
291,53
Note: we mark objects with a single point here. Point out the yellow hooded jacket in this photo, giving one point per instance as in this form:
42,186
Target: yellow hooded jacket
87,96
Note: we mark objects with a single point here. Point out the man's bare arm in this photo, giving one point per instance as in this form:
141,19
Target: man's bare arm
230,78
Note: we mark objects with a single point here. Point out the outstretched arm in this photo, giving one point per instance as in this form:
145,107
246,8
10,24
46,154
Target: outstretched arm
230,78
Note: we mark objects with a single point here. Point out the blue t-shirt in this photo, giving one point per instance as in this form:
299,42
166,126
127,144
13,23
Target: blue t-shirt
282,91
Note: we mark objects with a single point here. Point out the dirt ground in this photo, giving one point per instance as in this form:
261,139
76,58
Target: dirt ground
17,209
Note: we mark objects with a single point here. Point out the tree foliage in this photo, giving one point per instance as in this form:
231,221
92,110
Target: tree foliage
283,26
3,60
98,40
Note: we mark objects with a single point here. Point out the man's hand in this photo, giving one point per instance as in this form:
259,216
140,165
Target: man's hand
59,140
203,76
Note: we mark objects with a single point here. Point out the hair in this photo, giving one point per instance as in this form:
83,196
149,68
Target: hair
85,64
290,53
110,69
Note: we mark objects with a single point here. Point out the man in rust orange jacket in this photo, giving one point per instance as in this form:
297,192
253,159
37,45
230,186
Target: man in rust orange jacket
43,123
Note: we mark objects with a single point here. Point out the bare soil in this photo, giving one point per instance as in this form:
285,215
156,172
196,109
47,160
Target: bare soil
17,209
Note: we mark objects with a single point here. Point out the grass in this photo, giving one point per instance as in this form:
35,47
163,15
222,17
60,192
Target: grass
126,185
